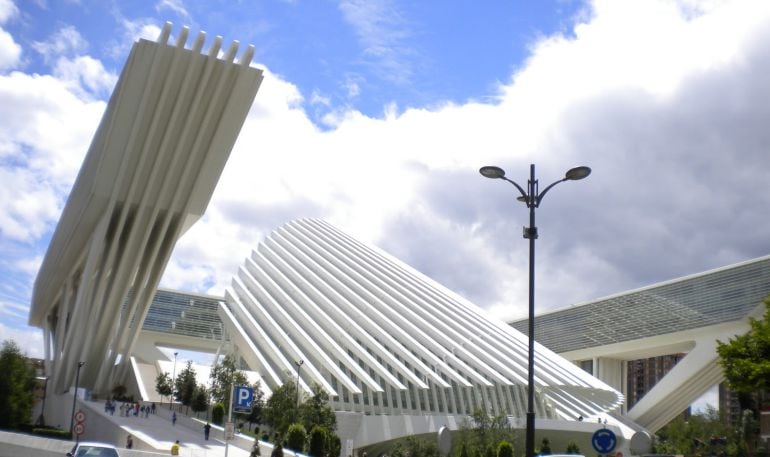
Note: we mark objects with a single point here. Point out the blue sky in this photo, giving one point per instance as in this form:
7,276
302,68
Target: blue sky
376,116
351,54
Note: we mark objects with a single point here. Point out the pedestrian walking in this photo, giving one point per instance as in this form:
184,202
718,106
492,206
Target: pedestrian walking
129,442
153,407
173,418
175,448
206,431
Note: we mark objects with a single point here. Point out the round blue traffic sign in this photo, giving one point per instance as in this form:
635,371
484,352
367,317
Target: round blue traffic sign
604,441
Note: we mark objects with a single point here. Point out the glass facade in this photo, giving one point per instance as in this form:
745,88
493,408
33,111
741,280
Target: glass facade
186,314
716,296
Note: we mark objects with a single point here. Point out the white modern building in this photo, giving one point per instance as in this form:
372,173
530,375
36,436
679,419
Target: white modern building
149,173
381,338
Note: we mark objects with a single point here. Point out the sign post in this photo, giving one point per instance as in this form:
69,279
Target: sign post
80,424
241,398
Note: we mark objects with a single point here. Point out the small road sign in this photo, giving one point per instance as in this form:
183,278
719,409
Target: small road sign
80,416
79,429
242,399
604,441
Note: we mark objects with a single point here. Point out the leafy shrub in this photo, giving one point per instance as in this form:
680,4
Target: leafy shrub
296,437
218,413
572,448
50,432
504,449
318,439
277,451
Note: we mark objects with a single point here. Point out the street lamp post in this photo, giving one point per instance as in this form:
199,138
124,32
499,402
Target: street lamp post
173,383
299,365
75,397
532,198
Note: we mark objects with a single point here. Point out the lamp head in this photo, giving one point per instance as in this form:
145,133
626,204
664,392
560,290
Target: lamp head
577,173
492,172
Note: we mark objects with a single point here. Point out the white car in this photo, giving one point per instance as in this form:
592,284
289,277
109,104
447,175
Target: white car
91,449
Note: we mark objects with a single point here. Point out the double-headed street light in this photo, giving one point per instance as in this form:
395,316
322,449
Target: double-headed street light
532,198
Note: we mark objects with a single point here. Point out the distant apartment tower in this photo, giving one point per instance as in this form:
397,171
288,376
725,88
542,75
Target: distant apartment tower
643,374
729,404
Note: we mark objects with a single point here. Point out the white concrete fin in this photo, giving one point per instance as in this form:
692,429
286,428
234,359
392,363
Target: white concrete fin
165,33
231,51
247,55
198,43
215,46
181,40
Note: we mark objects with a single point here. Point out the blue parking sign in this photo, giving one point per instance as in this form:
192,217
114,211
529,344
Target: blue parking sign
242,399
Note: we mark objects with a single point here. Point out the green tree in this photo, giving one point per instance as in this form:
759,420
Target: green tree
700,433
412,446
504,449
333,444
119,392
481,433
280,408
545,447
296,436
200,399
316,410
745,359
218,413
163,385
318,441
224,376
16,386
185,385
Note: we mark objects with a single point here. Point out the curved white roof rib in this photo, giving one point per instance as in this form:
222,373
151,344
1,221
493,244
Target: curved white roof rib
382,338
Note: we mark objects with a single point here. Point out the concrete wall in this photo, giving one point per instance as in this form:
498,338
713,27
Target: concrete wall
21,445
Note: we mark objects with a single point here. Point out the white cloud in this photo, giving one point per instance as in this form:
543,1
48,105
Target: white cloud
29,340
632,105
43,139
176,6
85,76
66,41
382,32
133,30
10,51
8,10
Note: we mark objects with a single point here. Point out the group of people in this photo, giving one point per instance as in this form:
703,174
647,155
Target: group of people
136,409
129,408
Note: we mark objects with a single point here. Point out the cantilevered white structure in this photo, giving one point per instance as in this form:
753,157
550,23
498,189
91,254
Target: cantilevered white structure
148,176
383,339
683,315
